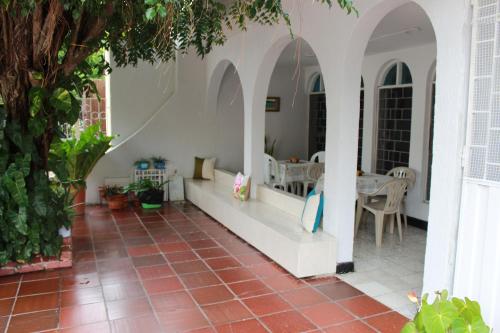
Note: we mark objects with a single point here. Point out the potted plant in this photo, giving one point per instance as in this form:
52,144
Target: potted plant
142,164
158,162
446,315
116,197
74,158
150,193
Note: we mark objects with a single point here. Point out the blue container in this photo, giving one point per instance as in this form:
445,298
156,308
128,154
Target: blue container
159,165
143,166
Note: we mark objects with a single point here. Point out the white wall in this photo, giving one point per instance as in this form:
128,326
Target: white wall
229,128
289,126
175,126
420,60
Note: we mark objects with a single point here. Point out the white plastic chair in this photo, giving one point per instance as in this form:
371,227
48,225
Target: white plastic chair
314,173
410,176
388,205
272,174
318,157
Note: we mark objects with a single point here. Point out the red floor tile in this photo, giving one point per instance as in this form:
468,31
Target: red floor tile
267,304
283,282
35,303
210,295
82,314
34,322
181,321
250,288
222,263
128,308
39,287
181,256
115,292
142,250
81,296
154,272
235,275
174,301
174,247
202,244
267,270
363,306
190,267
338,290
102,327
222,313
245,326
326,314
351,327
8,290
146,324
214,252
391,322
201,279
304,297
80,281
6,307
287,322
163,285
151,260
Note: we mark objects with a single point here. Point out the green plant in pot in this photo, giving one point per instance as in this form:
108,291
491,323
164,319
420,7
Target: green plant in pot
142,164
446,315
76,158
150,193
116,197
159,162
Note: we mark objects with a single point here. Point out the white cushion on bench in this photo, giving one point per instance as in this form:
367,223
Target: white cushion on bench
273,231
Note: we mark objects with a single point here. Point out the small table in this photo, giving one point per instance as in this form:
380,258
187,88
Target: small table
293,173
367,185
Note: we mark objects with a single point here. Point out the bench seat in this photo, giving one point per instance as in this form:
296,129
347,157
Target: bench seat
273,231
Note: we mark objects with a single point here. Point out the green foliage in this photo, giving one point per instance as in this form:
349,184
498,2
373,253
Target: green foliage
447,315
112,190
145,185
73,159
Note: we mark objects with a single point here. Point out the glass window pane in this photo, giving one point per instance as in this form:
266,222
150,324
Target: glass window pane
317,84
392,74
406,76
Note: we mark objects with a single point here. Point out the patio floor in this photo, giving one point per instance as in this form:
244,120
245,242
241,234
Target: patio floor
178,270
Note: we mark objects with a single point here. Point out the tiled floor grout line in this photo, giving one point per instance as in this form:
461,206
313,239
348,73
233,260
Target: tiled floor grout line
14,304
96,263
236,297
177,275
258,278
140,281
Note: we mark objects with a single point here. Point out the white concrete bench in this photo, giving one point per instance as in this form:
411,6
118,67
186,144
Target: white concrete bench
270,223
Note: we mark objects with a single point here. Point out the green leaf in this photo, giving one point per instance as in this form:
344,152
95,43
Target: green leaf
151,13
61,100
19,220
437,318
14,182
410,327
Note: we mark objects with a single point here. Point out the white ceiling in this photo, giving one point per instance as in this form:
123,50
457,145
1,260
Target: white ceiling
405,27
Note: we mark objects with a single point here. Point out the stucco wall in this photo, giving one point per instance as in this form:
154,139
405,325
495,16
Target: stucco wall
289,126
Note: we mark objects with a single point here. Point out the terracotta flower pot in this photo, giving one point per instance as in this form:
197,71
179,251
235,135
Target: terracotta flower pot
117,202
79,201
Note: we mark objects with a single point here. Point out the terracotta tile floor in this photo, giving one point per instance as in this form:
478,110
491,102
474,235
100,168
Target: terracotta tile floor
178,270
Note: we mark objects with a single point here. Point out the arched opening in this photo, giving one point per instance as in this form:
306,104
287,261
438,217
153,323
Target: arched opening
229,141
295,121
395,94
398,56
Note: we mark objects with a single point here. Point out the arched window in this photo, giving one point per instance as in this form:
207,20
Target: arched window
318,87
394,118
